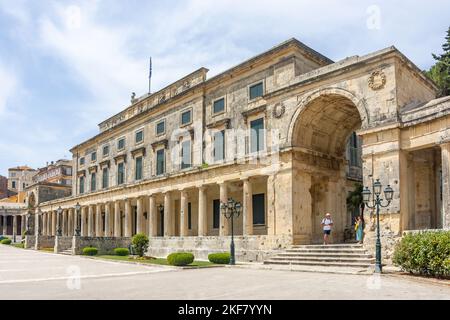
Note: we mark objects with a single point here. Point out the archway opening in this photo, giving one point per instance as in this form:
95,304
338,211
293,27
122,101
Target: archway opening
327,166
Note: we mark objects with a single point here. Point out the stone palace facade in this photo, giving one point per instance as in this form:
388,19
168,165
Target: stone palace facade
271,133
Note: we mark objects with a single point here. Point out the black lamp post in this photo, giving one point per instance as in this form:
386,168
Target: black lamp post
377,202
231,209
59,218
78,216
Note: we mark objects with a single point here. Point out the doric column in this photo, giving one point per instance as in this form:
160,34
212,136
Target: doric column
65,222
108,220
44,223
184,213
153,217
117,226
54,222
49,223
202,218
139,216
247,220
14,225
5,224
224,229
99,222
84,222
70,228
128,221
445,154
23,224
91,232
168,215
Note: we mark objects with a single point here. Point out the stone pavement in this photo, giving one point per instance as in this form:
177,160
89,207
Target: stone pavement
27,274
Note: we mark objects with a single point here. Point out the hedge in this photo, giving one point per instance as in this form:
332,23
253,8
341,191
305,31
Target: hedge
90,251
140,244
426,253
180,258
219,258
6,241
121,252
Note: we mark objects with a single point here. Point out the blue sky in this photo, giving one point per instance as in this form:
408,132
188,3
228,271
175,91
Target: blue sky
67,65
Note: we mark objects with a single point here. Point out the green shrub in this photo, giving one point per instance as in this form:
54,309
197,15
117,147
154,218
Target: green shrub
140,244
180,258
426,253
6,241
3,237
219,258
90,251
121,252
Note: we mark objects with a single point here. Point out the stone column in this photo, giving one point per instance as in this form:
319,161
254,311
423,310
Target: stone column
54,222
128,221
139,216
23,224
99,222
108,221
1,224
153,217
117,227
5,224
44,224
49,223
14,225
202,218
70,228
84,222
247,218
184,214
445,154
65,227
224,229
168,215
91,232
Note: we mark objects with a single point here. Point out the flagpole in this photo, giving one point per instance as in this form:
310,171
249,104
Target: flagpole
150,77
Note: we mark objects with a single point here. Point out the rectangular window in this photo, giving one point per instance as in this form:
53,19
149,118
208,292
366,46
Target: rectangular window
186,154
81,185
120,173
13,184
160,162
93,181
139,136
121,144
186,117
105,178
105,151
216,213
138,169
219,145
81,161
94,156
219,105
256,91
189,216
257,135
259,211
160,127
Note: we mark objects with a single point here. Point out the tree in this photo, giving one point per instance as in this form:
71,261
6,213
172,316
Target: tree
440,71
355,199
140,244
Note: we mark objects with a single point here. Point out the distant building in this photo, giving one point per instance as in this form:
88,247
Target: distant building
20,177
59,172
3,187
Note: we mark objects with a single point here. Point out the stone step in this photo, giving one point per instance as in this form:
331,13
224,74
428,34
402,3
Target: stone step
319,263
67,252
329,246
337,251
321,254
322,259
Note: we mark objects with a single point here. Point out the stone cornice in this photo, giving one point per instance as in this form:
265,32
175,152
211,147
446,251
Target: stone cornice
164,142
226,122
104,163
140,150
119,157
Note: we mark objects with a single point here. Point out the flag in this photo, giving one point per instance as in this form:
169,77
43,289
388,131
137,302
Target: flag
150,76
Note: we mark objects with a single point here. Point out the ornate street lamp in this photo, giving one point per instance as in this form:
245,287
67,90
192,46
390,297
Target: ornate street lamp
231,209
78,218
377,202
59,218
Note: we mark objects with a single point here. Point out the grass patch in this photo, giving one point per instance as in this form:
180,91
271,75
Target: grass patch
157,261
47,249
18,245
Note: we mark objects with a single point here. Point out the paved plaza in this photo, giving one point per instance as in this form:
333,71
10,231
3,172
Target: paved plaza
27,274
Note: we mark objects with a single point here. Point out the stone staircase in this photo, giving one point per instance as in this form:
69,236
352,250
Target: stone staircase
67,252
333,255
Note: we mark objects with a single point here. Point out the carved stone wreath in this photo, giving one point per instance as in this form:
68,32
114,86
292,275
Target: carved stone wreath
377,80
278,110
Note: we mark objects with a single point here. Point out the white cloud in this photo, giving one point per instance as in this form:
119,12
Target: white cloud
8,85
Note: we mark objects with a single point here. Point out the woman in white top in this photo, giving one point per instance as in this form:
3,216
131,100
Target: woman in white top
327,223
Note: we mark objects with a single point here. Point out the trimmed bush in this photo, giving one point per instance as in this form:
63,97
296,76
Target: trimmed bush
219,258
180,258
426,253
90,251
140,244
3,237
121,252
6,241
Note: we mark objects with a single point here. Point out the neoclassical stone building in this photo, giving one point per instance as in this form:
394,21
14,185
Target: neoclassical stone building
273,133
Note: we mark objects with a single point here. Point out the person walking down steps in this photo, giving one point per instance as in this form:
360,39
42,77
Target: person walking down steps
327,224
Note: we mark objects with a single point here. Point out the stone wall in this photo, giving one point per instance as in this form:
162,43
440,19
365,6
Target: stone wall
30,242
62,243
105,245
247,248
44,242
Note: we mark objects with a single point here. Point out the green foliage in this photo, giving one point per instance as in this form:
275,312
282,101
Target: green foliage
6,241
121,252
180,258
426,253
140,244
3,237
90,251
440,72
355,199
219,258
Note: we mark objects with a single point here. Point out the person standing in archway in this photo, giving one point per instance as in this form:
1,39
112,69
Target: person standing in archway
327,224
